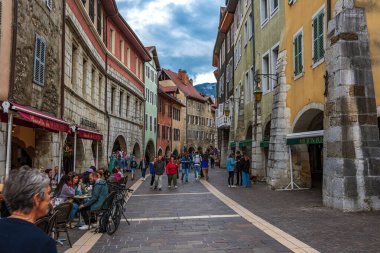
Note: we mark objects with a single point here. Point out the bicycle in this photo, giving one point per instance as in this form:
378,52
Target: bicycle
113,217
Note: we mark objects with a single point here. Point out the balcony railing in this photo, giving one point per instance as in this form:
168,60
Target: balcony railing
223,122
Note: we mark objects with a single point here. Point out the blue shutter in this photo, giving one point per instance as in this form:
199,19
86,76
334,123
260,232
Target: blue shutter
39,60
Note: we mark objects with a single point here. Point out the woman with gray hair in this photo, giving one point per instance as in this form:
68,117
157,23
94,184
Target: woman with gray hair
27,193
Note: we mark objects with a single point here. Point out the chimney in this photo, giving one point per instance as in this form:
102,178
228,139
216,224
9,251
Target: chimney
185,77
180,74
191,81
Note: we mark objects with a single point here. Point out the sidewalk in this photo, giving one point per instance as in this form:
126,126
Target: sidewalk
301,214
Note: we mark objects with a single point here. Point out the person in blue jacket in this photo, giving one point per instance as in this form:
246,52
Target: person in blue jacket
151,170
185,162
230,169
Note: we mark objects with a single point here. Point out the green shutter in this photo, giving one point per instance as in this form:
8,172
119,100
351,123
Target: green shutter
318,37
298,67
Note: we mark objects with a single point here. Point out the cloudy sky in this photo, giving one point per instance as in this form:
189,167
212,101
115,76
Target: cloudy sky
183,31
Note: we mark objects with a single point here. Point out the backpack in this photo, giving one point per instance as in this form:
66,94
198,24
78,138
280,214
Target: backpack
197,159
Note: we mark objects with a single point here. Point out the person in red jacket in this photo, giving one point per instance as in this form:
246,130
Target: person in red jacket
171,171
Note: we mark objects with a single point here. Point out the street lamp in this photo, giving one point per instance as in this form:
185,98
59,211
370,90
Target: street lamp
227,109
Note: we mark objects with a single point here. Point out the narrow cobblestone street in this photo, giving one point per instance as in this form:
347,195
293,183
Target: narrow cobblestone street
193,219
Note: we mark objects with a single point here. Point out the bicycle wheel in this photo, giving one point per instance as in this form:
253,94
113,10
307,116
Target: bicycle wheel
111,225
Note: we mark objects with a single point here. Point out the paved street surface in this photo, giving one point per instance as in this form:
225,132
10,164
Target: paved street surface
194,218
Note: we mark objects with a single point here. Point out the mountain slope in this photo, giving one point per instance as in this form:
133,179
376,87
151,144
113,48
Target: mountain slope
209,89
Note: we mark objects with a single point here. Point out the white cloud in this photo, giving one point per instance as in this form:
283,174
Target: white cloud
205,78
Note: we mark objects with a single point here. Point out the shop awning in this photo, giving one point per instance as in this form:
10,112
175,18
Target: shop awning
311,137
232,144
41,119
245,143
84,133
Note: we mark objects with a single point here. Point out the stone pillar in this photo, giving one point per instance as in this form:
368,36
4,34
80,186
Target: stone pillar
278,162
224,149
47,149
257,136
351,178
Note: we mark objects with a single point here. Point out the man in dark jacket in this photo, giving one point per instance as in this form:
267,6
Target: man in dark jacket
239,168
99,194
159,169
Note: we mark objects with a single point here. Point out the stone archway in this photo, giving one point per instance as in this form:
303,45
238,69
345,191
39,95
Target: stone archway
149,151
167,151
137,151
119,144
68,155
308,159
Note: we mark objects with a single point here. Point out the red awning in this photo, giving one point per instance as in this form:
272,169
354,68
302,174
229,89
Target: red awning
41,119
84,133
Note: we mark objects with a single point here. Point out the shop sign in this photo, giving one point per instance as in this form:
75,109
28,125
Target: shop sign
307,140
88,123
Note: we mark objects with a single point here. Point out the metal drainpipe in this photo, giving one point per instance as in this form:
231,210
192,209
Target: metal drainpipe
187,141
328,10
62,111
13,54
106,86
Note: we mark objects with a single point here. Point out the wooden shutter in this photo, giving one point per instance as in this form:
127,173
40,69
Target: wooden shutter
300,65
321,49
39,60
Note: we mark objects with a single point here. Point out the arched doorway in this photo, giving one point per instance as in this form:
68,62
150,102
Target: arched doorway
68,155
308,158
175,153
167,151
97,145
149,151
136,151
119,144
159,152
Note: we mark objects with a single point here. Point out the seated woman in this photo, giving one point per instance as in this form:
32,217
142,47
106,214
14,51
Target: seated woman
77,192
65,188
116,174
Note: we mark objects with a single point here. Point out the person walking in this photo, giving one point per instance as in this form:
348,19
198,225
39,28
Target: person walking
230,169
27,192
186,163
171,171
239,167
151,170
133,165
143,167
205,158
159,169
197,165
246,165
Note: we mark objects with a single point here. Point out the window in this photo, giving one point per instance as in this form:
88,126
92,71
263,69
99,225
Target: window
250,26
146,122
155,125
49,4
113,90
84,77
246,87
127,107
100,90
39,60
221,85
137,66
112,41
128,58
264,10
122,51
99,18
265,70
158,131
274,55
318,37
273,7
298,54
245,33
121,102
228,40
151,123
93,78
92,10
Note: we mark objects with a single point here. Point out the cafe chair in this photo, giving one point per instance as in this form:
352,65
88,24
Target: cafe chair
62,219
43,223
